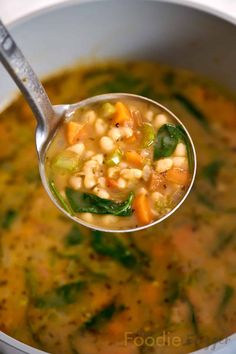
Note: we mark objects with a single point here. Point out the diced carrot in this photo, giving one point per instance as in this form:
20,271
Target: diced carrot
142,209
177,175
134,158
73,131
122,114
149,292
111,183
131,140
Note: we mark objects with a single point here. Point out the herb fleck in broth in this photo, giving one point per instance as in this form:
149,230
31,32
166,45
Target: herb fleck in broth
65,289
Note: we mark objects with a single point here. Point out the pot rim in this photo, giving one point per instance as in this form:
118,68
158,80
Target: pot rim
10,341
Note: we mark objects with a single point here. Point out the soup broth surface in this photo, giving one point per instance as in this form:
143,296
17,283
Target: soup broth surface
167,290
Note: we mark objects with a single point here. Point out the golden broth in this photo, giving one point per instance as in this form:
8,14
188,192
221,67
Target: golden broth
167,290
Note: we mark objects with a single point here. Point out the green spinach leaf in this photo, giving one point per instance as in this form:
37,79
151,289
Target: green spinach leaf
109,245
211,171
102,317
74,237
61,296
9,218
192,109
59,197
167,139
227,296
85,202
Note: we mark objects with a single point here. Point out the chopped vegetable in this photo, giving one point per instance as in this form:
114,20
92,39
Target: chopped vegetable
67,161
59,197
166,141
8,218
63,295
227,296
102,317
84,202
189,106
148,135
211,171
177,175
122,114
111,246
134,158
108,109
142,209
73,132
74,237
114,159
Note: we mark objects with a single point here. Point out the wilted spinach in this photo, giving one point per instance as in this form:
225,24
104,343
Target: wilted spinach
103,316
109,245
167,139
61,296
90,203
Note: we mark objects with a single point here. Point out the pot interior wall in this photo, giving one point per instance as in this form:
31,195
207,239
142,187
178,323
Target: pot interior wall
131,29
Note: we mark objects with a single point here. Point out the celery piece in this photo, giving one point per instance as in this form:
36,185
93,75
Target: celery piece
67,161
148,135
114,158
108,109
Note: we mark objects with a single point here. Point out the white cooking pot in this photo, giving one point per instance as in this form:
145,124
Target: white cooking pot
189,36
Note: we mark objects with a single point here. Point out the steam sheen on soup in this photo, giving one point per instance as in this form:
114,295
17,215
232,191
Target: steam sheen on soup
167,290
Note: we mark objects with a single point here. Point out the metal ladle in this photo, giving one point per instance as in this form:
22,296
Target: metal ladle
50,116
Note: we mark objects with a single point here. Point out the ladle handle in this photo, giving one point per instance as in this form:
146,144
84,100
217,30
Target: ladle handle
25,78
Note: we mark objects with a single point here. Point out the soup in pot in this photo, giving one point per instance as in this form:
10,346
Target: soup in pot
170,289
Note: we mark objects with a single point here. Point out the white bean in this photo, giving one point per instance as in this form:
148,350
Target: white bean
106,144
180,150
100,127
77,148
164,164
146,172
181,162
89,154
131,173
90,116
75,182
121,183
102,182
149,115
109,220
159,120
88,217
101,193
89,181
115,133
126,132
98,158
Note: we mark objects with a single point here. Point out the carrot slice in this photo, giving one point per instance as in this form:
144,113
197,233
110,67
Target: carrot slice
142,209
122,114
73,130
134,158
177,176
